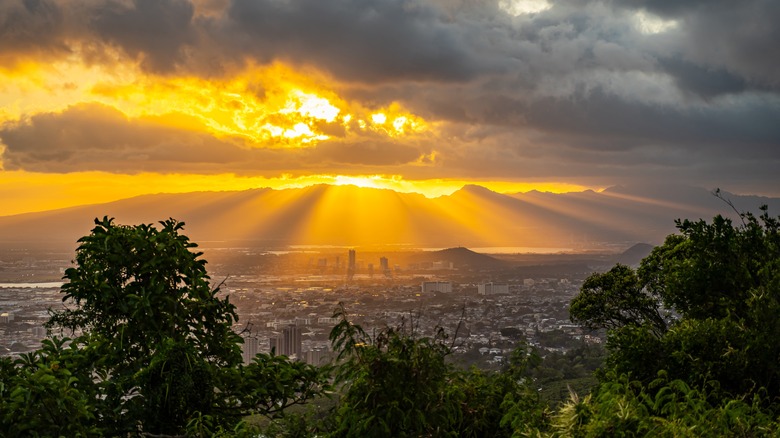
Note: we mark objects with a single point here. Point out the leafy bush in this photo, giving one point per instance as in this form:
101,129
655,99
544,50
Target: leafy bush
397,384
156,352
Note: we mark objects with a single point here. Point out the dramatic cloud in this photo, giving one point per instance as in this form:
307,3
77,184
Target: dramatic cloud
97,137
32,28
156,30
587,92
363,40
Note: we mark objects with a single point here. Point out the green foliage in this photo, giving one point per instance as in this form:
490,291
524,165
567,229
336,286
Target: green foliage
692,342
175,385
498,403
723,284
711,368
557,374
614,299
664,408
270,384
156,354
137,287
152,322
316,418
711,269
396,384
42,395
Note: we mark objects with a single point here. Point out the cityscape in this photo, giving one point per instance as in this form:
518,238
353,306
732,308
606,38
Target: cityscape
389,218
485,307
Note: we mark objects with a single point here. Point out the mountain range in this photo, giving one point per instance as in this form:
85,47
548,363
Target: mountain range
346,215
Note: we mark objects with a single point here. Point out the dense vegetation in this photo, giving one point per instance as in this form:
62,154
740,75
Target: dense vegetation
693,334
153,351
692,350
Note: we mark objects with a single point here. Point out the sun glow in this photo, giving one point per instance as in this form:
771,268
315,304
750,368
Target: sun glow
270,106
310,105
521,7
358,181
378,118
24,192
650,24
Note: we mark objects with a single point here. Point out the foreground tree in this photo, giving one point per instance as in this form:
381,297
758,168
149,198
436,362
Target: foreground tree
702,309
151,320
398,384
154,351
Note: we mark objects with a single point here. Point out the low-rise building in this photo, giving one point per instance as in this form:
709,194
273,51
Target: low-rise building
492,288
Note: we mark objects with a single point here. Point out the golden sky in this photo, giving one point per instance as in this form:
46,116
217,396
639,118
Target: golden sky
106,99
91,134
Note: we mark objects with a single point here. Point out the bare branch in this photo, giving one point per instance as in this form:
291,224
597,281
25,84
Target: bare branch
460,324
718,194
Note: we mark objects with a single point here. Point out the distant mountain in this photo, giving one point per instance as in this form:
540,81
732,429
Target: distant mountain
642,213
463,257
350,216
633,255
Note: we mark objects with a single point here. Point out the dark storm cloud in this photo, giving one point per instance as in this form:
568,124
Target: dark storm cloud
32,27
364,40
96,137
723,43
600,115
703,81
156,31
739,38
598,121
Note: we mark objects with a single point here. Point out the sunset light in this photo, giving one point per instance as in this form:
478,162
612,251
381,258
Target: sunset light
267,107
435,213
423,99
27,192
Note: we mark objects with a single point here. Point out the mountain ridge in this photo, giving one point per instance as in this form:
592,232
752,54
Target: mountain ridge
349,215
460,256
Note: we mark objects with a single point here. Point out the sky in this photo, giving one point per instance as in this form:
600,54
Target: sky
107,99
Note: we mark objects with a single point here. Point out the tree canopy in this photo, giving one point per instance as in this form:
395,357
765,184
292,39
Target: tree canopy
701,308
154,350
399,384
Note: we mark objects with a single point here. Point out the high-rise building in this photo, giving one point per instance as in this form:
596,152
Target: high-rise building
291,341
288,343
384,266
316,357
250,348
351,265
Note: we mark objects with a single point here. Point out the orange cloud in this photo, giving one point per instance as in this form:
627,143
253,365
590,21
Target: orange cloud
269,106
